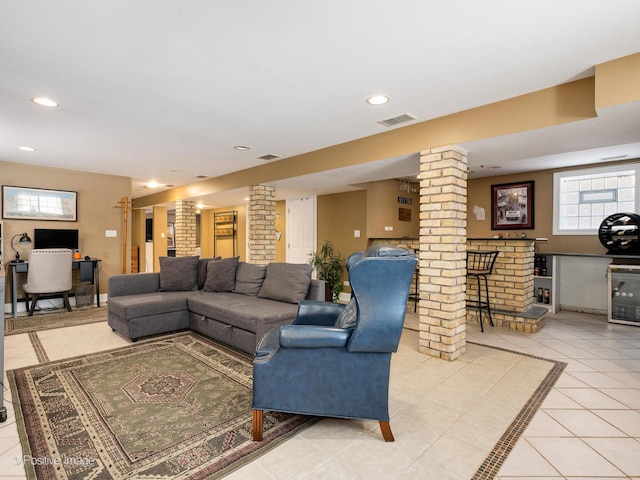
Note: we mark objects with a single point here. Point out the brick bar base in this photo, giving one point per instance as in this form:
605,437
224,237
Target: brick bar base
530,321
511,292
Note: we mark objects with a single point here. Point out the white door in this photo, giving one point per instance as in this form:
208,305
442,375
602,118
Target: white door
301,229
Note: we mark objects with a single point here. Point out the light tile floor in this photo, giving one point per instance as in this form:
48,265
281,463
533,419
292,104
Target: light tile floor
447,416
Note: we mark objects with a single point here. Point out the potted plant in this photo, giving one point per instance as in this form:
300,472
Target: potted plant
329,266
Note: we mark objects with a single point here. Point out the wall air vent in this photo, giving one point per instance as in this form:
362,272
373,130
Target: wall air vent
269,156
397,120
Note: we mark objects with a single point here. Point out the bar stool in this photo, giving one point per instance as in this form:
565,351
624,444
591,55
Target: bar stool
480,264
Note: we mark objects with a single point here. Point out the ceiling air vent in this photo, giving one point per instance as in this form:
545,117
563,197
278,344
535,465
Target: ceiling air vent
269,156
393,121
202,176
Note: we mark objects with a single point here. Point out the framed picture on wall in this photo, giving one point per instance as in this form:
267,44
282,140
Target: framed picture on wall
21,203
171,235
512,206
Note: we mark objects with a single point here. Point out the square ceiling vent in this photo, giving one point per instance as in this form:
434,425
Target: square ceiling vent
397,120
269,156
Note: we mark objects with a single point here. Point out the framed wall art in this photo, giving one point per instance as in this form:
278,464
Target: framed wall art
22,203
171,235
512,206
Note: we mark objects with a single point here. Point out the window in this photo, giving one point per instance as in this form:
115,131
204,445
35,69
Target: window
582,199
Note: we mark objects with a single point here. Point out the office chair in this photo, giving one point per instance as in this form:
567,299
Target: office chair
49,275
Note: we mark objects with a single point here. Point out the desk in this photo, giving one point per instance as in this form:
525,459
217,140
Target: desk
88,272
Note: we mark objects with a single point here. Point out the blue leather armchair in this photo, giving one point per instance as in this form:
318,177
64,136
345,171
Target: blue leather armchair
334,360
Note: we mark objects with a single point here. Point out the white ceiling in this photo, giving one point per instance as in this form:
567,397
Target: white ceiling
162,90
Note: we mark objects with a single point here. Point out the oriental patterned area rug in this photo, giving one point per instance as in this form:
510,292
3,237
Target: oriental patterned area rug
175,407
56,319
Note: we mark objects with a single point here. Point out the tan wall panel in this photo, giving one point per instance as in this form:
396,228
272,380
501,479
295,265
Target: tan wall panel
160,220
618,81
383,210
206,233
281,226
338,216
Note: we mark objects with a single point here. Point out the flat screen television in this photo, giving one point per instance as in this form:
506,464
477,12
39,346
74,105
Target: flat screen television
55,238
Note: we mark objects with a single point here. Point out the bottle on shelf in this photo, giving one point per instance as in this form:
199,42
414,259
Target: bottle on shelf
536,266
540,295
547,296
543,266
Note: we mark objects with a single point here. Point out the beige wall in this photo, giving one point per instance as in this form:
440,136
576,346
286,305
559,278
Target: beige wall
281,226
383,211
479,193
98,195
338,216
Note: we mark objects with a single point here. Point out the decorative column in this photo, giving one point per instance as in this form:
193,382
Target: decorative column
443,230
261,230
185,235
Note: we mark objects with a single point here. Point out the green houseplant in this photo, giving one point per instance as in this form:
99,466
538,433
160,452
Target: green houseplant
329,266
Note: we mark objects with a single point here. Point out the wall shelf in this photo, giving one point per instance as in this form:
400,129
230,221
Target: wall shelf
546,284
225,230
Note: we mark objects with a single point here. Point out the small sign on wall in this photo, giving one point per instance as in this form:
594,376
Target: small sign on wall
405,200
404,214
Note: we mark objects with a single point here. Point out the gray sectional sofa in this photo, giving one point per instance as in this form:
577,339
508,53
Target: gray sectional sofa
230,301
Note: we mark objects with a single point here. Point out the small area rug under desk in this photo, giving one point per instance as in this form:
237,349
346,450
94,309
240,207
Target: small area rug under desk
54,319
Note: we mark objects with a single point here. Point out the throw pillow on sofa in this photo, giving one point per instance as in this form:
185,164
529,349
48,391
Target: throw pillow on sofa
221,275
202,270
178,273
286,282
249,278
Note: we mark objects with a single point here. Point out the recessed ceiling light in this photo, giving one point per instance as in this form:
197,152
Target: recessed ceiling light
199,206
377,100
242,148
246,199
45,102
152,184
27,149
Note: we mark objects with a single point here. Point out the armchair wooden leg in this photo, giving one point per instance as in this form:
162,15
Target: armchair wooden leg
257,425
385,428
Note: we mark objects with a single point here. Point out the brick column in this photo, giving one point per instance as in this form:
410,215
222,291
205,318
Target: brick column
443,230
185,228
261,230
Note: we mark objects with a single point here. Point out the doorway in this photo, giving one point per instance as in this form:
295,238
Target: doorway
301,229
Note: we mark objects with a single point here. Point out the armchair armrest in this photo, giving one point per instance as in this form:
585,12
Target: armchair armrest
312,312
313,336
